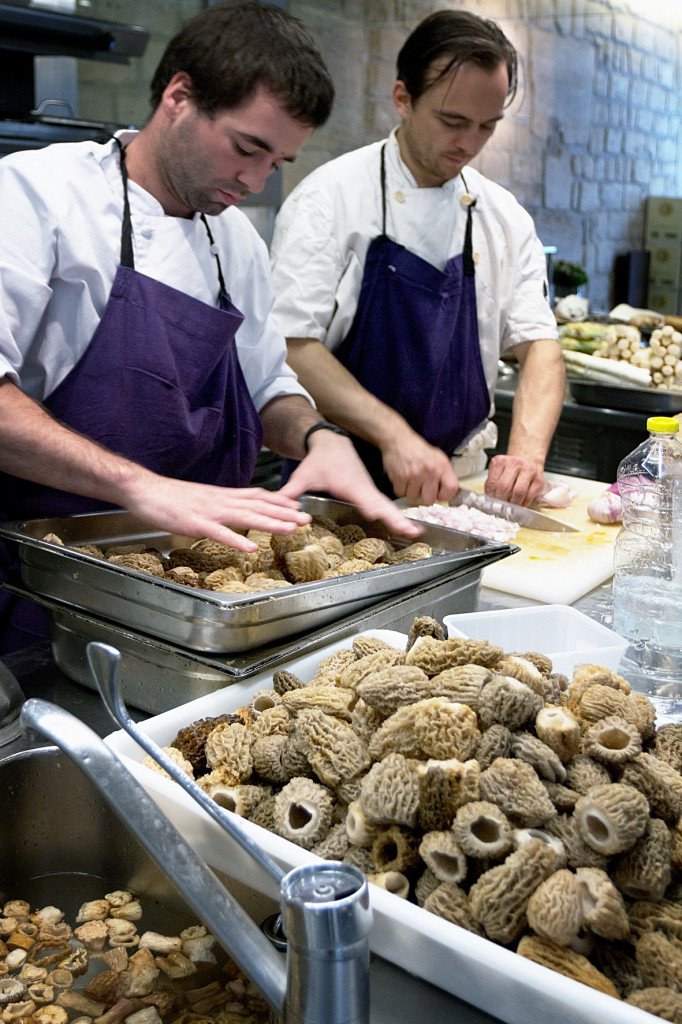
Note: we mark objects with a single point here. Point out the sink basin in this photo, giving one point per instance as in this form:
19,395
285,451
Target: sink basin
61,845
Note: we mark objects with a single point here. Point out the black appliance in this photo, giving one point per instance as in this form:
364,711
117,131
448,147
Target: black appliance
28,32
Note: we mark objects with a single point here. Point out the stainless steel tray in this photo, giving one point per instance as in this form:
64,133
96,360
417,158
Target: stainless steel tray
607,396
205,621
157,675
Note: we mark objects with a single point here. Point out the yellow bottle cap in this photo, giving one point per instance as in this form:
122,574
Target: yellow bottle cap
662,424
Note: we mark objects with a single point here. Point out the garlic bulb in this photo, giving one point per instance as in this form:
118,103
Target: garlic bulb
606,508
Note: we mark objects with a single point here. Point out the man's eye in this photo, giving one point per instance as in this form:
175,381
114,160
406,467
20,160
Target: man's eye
242,151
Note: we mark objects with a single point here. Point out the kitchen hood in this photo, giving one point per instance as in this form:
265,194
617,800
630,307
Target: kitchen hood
35,31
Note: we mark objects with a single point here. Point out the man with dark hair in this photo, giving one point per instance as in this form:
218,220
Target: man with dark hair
138,364
402,275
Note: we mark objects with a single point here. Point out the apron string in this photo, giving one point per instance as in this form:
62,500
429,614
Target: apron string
468,253
214,251
383,190
127,257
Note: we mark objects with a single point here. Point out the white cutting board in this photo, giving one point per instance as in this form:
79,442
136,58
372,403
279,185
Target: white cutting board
556,568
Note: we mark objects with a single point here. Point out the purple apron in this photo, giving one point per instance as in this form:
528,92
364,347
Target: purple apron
414,342
160,383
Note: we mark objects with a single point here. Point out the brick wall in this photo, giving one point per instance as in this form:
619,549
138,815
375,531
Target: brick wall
120,92
596,127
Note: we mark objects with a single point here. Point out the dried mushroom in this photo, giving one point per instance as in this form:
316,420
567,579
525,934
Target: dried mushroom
389,793
424,625
560,730
303,812
555,909
658,782
441,852
487,789
388,689
515,788
611,818
499,899
434,656
508,701
449,901
565,961
645,870
667,745
660,1001
444,786
331,747
482,830
612,740
659,961
604,910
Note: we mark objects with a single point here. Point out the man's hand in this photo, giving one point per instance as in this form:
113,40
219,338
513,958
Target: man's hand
417,470
202,510
334,467
515,478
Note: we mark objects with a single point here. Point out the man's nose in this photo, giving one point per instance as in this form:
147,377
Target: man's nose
253,178
474,140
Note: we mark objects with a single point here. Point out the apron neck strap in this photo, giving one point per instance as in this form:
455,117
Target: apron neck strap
127,257
214,251
383,190
468,251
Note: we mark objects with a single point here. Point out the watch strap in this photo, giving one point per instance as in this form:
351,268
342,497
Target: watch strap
323,425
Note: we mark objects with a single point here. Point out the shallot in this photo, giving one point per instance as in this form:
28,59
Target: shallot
470,520
555,495
607,507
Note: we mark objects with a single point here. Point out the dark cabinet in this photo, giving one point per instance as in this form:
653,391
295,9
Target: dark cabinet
588,442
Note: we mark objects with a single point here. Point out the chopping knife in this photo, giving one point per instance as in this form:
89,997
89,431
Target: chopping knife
514,513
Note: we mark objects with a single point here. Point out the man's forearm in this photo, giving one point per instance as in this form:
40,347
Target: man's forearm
538,400
338,395
34,446
285,421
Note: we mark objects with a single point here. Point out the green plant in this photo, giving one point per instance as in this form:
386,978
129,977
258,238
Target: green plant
569,275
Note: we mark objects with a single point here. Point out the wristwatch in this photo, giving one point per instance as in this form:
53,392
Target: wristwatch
323,425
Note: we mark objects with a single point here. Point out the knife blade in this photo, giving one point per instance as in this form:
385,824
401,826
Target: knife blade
527,517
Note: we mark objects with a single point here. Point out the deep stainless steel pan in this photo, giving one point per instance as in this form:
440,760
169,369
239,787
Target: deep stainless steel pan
205,621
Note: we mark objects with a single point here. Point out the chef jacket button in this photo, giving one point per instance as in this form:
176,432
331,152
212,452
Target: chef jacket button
146,232
399,196
477,257
214,249
465,199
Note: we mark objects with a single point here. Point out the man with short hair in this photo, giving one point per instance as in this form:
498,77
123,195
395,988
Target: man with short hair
402,275
138,364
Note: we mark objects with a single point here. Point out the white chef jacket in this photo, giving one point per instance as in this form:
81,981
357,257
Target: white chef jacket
60,243
325,227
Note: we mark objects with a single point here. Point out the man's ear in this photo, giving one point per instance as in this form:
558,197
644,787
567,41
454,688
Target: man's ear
402,101
178,92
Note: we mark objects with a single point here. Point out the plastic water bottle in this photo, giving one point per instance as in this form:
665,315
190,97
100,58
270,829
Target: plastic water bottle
647,584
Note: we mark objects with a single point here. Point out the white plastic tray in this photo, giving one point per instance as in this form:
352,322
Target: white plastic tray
493,978
564,634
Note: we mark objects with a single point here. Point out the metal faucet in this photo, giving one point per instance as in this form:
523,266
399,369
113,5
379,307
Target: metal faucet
326,916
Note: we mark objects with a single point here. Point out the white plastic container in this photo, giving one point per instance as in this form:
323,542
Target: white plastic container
564,634
463,964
